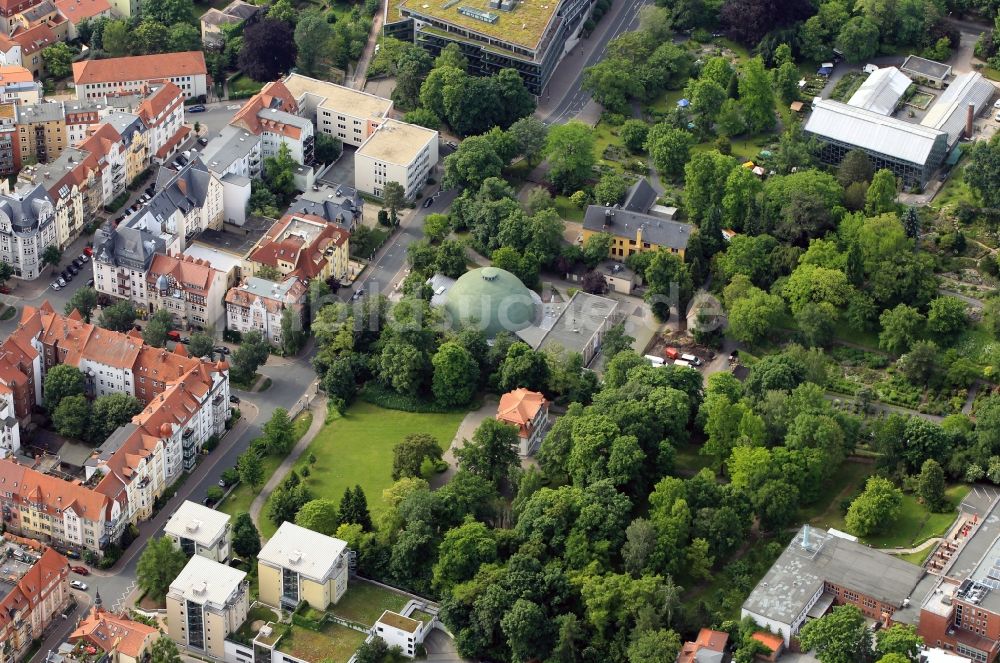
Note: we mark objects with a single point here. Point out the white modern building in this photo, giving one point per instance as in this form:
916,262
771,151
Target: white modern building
396,152
198,530
399,631
346,114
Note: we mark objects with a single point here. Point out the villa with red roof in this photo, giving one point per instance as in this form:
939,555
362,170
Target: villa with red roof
528,411
302,245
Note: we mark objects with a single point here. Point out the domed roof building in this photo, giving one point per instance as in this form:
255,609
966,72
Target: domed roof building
493,300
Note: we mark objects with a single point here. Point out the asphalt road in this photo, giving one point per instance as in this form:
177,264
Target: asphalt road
623,17
216,115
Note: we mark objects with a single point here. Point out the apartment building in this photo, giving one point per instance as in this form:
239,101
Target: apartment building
271,115
133,137
396,152
234,151
162,111
41,130
303,246
186,403
189,288
198,530
77,11
34,40
344,113
73,182
19,86
338,204
123,640
399,631
10,430
27,227
298,564
35,591
259,305
206,603
11,8
97,78
10,152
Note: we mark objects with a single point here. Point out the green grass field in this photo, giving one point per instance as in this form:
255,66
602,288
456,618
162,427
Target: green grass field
241,498
917,558
333,643
567,210
357,449
914,525
244,84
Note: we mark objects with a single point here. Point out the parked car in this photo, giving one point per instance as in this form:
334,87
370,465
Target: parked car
691,359
203,141
87,251
80,570
182,160
234,399
197,108
66,276
84,257
56,286
76,584
4,290
222,350
452,144
672,353
222,483
429,202
174,335
73,269
90,283
77,263
61,282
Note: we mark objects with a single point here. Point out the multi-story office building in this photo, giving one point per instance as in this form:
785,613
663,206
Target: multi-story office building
206,603
493,34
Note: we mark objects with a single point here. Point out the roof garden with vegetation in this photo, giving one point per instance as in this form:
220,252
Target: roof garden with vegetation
523,26
332,643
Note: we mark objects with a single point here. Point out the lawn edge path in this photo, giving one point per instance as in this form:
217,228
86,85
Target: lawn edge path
318,410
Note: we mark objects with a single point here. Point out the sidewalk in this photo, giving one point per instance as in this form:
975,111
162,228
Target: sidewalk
318,409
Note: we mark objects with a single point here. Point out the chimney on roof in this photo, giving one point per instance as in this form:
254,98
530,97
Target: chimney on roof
970,115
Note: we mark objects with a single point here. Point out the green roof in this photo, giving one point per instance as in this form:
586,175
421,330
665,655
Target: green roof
491,299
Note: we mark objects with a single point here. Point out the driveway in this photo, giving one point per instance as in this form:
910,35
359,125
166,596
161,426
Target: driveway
342,170
441,648
464,432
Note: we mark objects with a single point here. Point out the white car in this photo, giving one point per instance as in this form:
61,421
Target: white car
76,584
56,286
996,104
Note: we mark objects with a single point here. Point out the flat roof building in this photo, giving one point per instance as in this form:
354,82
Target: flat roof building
881,91
911,151
206,603
344,113
396,152
529,36
298,564
199,530
581,324
926,71
821,568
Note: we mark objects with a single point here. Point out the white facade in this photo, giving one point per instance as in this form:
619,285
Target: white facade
399,631
346,114
10,431
259,305
397,152
27,227
199,530
191,86
234,151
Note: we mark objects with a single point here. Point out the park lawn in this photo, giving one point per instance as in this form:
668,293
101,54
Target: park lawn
916,524
364,602
567,210
917,558
333,643
356,449
849,479
242,496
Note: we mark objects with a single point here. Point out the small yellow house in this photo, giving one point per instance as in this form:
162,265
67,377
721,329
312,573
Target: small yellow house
298,564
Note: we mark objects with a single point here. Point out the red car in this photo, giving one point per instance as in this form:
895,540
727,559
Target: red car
81,570
89,251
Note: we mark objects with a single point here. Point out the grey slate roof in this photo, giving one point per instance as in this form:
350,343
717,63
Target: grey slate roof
925,67
27,209
230,145
625,223
640,196
126,124
817,557
44,112
339,204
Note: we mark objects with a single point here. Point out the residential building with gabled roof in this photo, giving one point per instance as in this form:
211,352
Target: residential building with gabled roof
259,305
97,78
123,640
236,12
304,246
78,11
33,592
190,289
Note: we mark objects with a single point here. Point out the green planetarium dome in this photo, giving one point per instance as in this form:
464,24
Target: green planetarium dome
493,300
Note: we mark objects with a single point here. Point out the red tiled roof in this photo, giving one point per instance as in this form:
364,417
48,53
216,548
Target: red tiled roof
273,95
519,408
174,140
308,260
166,96
27,592
77,10
707,639
190,273
140,68
113,633
35,38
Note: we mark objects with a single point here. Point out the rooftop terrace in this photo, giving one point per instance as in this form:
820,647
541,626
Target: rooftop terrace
523,26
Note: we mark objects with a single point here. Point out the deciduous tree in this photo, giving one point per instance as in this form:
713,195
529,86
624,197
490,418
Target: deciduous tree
268,50
319,515
61,381
570,151
159,565
456,375
669,148
492,452
410,455
875,508
839,637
